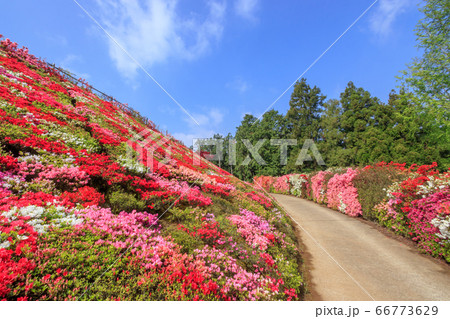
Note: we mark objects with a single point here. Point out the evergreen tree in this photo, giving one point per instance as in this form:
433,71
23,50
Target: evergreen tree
303,120
303,116
358,113
245,131
271,126
331,136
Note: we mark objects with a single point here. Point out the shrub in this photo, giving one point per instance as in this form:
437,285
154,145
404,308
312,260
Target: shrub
417,208
342,195
299,184
264,182
281,185
318,183
371,184
413,202
86,196
260,198
120,201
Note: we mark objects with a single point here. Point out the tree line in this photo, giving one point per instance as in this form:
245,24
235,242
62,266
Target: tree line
359,129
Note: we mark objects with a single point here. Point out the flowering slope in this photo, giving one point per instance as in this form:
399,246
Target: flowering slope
93,208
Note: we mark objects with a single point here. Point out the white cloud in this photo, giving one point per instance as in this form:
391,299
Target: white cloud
239,85
387,11
68,64
69,59
57,39
212,117
152,31
189,138
209,122
167,109
216,116
246,8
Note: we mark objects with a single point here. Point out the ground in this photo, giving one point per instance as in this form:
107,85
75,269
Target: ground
349,259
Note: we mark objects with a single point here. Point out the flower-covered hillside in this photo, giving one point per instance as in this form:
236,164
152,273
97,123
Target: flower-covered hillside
93,208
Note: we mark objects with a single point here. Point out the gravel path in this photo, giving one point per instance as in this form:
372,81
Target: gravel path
352,260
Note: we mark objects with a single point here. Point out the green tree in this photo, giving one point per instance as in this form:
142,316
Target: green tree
428,77
303,119
271,126
378,139
331,136
358,113
245,131
303,116
410,133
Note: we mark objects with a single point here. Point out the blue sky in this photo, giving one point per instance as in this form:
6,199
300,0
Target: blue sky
219,59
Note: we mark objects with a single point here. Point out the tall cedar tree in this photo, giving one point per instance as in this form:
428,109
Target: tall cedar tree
245,131
331,136
357,109
303,120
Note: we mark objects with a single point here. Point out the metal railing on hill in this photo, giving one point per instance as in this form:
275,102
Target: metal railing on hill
23,55
80,82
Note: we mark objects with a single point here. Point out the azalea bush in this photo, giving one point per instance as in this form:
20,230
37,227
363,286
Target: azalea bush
318,185
281,185
264,182
342,194
87,213
411,201
299,185
418,208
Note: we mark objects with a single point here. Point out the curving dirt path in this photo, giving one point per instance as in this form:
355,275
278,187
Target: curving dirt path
351,260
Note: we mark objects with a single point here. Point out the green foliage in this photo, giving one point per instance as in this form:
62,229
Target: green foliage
412,136
359,124
63,276
428,77
371,185
120,201
303,119
356,130
226,161
331,136
74,137
187,242
272,125
359,129
290,269
13,131
187,215
304,113
222,207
